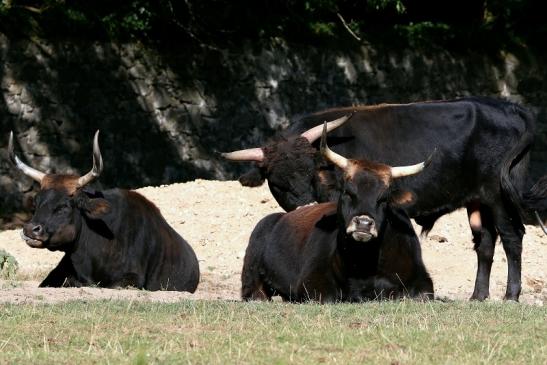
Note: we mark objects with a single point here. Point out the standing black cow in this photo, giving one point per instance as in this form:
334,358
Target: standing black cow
110,238
481,164
364,247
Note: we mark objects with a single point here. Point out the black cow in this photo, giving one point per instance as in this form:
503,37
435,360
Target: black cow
362,248
481,163
111,238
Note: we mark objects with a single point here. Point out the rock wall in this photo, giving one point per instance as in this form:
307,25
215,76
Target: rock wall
164,112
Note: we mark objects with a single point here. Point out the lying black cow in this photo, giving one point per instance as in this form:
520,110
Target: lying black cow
363,248
481,163
111,238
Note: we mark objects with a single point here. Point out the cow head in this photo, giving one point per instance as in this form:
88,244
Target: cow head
289,165
367,193
60,202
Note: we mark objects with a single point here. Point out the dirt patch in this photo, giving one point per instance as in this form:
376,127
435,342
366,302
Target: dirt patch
217,218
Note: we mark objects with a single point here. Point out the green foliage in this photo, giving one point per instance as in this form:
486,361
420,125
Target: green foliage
419,33
222,22
8,265
384,4
136,19
323,29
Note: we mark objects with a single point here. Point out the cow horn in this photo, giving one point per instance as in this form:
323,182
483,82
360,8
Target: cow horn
27,170
250,154
401,171
313,134
97,164
540,222
333,157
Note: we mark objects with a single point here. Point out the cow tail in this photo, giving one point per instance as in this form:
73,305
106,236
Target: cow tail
536,197
514,171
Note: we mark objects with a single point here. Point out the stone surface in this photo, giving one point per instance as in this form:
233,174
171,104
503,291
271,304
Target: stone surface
164,113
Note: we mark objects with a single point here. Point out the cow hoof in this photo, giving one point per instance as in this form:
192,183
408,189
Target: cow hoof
514,298
479,297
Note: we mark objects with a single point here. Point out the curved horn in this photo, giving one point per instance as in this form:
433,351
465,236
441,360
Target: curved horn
97,164
401,171
333,157
313,134
540,222
250,154
27,170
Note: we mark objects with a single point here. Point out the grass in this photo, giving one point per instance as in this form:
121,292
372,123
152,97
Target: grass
209,332
8,265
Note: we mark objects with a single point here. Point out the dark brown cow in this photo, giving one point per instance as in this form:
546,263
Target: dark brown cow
111,238
363,247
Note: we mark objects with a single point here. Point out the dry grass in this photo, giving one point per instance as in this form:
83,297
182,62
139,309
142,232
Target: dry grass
265,333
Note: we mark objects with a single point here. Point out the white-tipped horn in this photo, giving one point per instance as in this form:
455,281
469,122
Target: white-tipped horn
27,170
97,164
250,154
313,134
333,157
401,171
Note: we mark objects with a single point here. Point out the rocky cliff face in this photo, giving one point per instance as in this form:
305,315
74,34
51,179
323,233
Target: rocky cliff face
163,113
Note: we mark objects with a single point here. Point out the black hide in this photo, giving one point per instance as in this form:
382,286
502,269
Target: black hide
481,161
122,240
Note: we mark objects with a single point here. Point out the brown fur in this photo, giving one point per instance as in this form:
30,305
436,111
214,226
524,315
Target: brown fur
303,220
404,198
273,153
325,178
138,201
66,183
382,171
99,208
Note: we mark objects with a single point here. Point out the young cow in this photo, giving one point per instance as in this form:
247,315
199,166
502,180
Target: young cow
363,247
110,238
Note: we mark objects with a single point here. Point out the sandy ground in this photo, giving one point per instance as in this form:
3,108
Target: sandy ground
217,218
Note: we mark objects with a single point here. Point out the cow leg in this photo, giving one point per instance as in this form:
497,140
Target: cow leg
511,231
134,280
259,292
484,238
63,275
321,286
252,285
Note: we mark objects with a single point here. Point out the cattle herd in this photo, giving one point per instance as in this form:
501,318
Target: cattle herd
349,179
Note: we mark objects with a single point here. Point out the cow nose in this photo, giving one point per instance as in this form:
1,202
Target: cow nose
38,230
365,222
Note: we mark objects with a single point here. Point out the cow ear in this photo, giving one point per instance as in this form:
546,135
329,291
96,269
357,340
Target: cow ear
402,198
326,186
328,222
252,178
94,208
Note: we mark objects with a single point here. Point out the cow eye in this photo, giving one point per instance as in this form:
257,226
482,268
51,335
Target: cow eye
61,208
350,190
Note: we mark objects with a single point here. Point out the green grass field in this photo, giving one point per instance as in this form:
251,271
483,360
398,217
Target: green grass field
273,333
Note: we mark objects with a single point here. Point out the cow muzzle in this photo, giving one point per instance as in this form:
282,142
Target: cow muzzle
34,235
362,228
